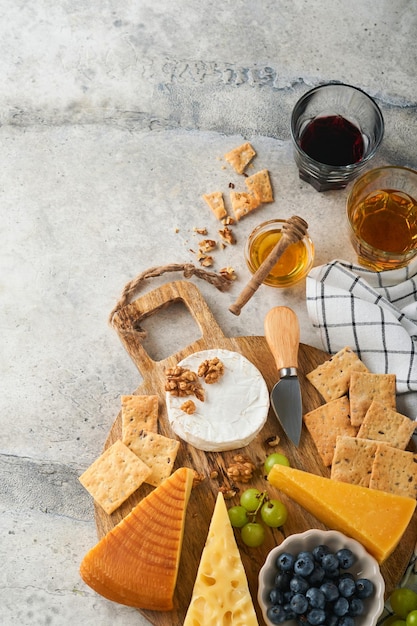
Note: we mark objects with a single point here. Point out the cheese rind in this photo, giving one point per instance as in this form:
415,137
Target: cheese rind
234,410
221,593
375,518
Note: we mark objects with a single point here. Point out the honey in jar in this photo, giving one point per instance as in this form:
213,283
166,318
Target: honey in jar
292,266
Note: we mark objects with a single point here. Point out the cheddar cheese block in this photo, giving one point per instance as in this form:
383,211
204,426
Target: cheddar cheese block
221,593
136,563
375,518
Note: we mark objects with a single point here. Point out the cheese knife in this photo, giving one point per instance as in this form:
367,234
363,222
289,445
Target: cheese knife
282,334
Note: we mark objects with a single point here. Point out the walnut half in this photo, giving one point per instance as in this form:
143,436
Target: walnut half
188,407
241,470
211,370
183,382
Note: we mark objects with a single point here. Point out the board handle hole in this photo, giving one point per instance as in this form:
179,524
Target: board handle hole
169,330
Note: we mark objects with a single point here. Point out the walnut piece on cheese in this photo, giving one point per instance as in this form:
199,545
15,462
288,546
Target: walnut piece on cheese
211,370
183,382
188,407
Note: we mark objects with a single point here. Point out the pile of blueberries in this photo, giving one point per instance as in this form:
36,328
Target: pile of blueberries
314,587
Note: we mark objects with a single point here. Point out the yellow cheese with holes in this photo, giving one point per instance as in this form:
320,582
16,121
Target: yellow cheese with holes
221,593
375,518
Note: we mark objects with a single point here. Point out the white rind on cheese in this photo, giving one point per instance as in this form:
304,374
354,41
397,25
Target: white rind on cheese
221,594
234,410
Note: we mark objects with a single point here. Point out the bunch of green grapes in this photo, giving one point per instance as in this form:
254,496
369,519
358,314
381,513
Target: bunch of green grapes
254,504
404,604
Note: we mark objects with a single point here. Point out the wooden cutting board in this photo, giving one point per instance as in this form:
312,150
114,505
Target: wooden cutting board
128,325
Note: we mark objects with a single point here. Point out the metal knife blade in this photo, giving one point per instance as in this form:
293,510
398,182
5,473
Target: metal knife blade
282,333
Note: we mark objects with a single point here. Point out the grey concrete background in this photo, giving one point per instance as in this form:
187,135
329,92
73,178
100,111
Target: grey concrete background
113,119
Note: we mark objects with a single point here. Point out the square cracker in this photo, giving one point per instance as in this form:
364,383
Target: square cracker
326,423
240,157
384,424
365,387
216,203
260,185
331,378
139,413
394,471
158,452
353,460
243,203
114,476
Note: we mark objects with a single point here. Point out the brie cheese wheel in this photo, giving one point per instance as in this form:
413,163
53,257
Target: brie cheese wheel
234,410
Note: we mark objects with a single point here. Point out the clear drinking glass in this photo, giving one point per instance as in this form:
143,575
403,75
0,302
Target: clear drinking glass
336,130
382,215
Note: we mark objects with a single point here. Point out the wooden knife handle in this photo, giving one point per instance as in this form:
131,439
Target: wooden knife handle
282,334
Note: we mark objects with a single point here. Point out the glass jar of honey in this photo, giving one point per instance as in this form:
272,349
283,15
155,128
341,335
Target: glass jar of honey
295,262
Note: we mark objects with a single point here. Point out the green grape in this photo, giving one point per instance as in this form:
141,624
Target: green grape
253,534
275,459
238,516
403,601
274,513
411,619
394,620
251,499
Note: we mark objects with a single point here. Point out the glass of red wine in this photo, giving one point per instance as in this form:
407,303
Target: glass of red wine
336,130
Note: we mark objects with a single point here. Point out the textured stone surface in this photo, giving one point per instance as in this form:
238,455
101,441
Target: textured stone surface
113,119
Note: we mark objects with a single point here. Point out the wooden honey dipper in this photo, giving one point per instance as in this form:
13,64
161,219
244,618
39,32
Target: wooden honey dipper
294,229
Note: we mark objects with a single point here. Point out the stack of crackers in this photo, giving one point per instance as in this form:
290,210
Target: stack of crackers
358,432
258,186
140,456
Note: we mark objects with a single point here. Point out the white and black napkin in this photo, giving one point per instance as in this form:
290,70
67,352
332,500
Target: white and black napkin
375,313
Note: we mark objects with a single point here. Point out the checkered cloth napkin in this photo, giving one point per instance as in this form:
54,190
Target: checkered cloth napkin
375,313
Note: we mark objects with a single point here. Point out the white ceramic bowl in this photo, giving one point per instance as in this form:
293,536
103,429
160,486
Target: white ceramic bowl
365,567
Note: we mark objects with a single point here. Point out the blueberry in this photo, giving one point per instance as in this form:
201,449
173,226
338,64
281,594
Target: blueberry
346,558
346,620
320,551
316,617
347,587
285,562
276,614
276,596
332,620
330,563
330,590
316,597
356,607
304,565
299,603
289,613
341,607
282,581
298,584
364,588
317,576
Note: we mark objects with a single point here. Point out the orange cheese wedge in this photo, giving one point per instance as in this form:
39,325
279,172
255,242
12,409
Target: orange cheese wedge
375,518
136,563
